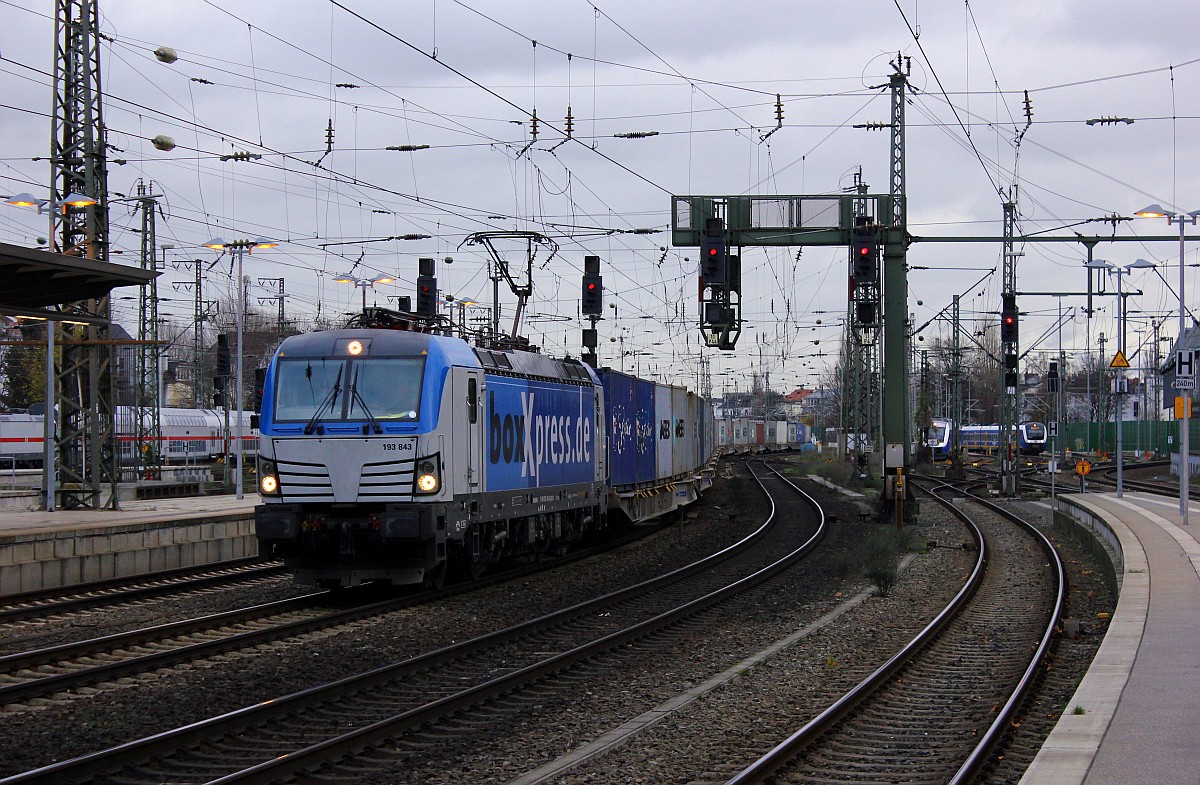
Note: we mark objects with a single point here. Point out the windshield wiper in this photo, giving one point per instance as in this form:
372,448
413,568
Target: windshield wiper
329,399
355,396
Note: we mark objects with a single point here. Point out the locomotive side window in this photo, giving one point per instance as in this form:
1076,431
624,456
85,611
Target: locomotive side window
472,401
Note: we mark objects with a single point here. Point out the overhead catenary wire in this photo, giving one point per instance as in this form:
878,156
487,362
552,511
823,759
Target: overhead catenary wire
556,191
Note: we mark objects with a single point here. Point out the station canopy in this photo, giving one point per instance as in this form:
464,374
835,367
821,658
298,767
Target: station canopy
34,282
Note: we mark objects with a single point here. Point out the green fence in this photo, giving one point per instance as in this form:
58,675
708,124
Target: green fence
1159,439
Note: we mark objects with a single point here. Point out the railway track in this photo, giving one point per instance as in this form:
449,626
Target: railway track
52,602
1104,475
98,661
1167,488
455,693
39,672
936,710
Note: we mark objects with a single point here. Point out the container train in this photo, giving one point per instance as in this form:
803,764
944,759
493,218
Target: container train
743,435
1031,437
186,436
397,456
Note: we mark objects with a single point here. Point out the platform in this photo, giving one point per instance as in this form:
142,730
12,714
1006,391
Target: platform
45,550
1136,714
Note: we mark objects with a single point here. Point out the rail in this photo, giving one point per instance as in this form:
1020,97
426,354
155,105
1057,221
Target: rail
783,754
315,749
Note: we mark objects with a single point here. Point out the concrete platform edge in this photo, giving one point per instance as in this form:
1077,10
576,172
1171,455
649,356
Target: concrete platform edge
72,553
1067,754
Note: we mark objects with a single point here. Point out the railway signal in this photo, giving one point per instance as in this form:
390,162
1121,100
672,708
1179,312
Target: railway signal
720,287
427,288
426,295
224,364
864,255
592,305
593,294
1008,318
714,252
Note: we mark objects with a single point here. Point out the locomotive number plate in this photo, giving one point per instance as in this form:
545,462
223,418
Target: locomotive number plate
399,447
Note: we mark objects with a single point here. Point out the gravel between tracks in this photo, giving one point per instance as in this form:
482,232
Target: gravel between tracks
756,710
65,726
784,688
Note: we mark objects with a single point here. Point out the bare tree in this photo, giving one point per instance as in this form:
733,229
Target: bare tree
23,368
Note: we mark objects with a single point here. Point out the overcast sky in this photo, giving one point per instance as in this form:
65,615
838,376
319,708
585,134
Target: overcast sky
465,78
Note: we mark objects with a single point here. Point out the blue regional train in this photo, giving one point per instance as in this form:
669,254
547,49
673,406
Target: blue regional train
393,456
1031,437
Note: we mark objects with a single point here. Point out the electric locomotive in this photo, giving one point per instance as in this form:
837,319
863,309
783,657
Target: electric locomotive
393,456
386,454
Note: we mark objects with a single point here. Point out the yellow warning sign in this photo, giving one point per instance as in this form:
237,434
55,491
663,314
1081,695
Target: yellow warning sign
1119,361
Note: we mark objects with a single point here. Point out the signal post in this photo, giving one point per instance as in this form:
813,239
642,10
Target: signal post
865,224
592,306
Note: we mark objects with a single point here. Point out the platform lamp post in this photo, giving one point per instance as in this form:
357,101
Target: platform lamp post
49,417
363,283
1185,466
239,248
1120,271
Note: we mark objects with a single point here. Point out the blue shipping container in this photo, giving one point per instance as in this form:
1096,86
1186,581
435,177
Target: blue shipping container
632,434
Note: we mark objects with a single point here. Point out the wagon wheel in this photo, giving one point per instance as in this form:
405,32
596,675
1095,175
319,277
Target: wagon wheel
435,577
472,569
467,564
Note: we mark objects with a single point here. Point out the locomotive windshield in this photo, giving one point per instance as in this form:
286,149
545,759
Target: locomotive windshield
327,389
937,433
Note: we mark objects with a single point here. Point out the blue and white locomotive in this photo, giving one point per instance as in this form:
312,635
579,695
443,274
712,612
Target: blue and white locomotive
390,455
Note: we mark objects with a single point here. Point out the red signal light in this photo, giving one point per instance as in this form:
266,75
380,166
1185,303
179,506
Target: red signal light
593,294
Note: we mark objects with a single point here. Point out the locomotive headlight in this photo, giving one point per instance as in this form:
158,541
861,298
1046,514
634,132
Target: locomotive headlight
427,476
268,479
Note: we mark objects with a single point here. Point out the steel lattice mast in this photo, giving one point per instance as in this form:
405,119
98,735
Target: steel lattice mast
148,423
85,440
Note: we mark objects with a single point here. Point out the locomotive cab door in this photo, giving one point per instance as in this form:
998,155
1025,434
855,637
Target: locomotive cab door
600,433
471,398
